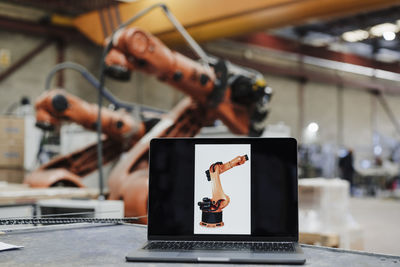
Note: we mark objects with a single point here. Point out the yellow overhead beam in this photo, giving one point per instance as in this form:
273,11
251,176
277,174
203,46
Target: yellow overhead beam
210,19
60,20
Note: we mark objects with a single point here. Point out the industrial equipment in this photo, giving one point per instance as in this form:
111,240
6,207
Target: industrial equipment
217,89
55,106
212,208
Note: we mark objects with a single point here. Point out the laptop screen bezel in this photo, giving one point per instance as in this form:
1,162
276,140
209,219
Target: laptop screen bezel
290,237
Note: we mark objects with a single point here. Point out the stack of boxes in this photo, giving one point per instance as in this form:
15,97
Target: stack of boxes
12,143
324,209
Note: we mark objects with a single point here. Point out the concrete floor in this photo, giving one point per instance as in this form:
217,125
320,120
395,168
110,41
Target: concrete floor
380,219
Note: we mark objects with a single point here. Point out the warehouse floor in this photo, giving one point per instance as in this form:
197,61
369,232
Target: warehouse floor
380,219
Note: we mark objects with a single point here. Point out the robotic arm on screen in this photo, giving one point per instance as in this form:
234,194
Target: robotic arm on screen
212,208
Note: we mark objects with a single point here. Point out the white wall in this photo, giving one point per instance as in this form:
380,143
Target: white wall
30,79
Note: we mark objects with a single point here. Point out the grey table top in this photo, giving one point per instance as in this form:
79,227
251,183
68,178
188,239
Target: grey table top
107,245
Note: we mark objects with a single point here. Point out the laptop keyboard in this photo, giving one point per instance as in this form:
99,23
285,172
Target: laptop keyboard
218,245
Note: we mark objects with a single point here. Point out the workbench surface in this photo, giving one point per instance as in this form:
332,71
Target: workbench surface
107,245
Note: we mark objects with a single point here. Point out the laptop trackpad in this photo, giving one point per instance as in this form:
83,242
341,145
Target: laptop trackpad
214,256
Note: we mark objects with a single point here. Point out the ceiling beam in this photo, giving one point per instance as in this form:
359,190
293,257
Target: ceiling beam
302,74
207,20
282,44
42,30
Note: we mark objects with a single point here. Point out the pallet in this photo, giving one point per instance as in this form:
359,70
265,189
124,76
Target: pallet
20,193
326,240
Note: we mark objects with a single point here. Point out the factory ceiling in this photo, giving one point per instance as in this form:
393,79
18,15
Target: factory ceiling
373,34
370,34
65,7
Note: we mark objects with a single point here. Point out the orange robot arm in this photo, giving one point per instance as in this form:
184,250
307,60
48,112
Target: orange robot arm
212,208
219,199
136,49
237,96
56,105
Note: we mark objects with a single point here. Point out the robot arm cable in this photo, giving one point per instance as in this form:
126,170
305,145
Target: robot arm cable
91,79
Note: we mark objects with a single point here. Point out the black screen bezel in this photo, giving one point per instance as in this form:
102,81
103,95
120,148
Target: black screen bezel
290,237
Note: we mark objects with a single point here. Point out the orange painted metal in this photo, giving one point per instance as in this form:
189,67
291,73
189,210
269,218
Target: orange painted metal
121,130
239,160
218,194
206,20
212,208
47,178
76,165
212,225
136,49
55,106
144,52
129,178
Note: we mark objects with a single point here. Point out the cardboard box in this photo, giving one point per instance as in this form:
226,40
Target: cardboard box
12,175
11,156
12,141
12,129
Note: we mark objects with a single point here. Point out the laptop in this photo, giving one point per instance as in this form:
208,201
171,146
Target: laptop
230,200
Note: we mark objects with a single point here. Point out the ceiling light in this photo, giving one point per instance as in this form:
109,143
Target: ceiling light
377,150
355,36
313,127
379,29
389,36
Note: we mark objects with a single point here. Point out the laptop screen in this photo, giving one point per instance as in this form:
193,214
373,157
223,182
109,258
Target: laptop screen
223,189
